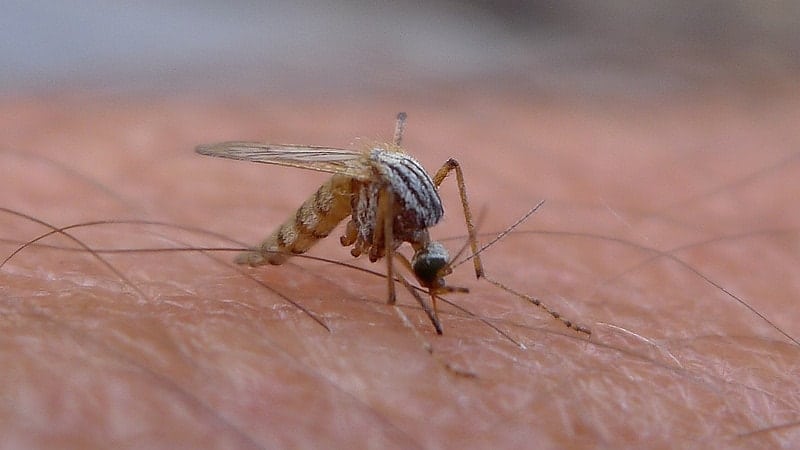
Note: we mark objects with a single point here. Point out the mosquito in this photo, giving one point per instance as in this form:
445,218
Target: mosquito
389,198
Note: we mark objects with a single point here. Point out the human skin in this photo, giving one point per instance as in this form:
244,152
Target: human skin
669,225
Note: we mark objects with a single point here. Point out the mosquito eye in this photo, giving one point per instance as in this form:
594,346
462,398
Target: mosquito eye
427,269
429,262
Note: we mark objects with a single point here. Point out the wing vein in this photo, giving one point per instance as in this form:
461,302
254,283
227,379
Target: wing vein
323,159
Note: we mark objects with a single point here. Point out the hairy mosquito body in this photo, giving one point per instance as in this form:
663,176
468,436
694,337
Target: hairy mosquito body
314,220
416,203
389,198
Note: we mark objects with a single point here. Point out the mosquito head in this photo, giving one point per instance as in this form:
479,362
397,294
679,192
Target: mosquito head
431,264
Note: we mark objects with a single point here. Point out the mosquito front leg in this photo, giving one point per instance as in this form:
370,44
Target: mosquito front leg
434,318
432,313
386,216
441,174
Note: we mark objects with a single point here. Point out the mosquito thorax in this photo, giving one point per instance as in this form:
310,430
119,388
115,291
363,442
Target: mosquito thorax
429,263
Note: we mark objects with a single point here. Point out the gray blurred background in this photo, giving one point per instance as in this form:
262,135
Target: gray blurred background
585,46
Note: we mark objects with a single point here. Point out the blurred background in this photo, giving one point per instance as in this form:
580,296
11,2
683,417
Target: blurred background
577,46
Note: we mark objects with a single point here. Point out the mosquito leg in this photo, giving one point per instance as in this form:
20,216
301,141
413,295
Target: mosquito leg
385,204
429,348
350,234
398,128
556,315
433,304
433,313
425,307
441,174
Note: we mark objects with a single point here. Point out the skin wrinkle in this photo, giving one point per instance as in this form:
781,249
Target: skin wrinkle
567,375
669,254
35,242
241,246
124,279
658,254
186,394
160,379
640,265
173,385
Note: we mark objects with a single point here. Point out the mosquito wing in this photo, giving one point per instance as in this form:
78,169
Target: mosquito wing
323,159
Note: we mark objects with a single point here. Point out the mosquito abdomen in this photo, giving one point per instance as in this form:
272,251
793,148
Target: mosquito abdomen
314,220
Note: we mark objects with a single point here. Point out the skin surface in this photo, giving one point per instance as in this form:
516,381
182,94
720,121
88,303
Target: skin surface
658,212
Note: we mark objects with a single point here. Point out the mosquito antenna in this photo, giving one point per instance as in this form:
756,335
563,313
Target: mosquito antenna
483,320
555,314
501,235
481,216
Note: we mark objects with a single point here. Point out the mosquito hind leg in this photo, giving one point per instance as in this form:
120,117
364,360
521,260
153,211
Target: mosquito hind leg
535,301
449,166
399,127
429,348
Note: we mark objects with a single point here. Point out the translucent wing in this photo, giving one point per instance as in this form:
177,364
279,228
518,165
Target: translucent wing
323,159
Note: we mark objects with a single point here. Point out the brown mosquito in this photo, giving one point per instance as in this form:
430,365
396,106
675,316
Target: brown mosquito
389,198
